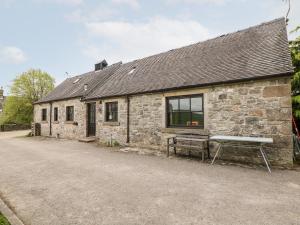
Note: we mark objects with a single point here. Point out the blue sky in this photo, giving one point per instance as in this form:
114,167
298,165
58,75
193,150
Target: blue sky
60,36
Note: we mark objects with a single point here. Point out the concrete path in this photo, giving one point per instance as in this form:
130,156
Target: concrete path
59,182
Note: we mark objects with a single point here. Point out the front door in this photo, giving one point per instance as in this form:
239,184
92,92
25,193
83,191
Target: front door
91,119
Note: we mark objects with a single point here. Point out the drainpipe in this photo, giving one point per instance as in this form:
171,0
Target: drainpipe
50,132
128,110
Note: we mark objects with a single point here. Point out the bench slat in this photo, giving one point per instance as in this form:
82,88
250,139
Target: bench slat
191,139
188,146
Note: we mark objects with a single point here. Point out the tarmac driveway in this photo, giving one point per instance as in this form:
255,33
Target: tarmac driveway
60,182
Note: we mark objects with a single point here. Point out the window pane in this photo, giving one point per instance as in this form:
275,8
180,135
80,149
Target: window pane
114,107
184,104
70,113
173,105
111,113
55,114
174,119
114,116
197,119
185,118
196,104
44,114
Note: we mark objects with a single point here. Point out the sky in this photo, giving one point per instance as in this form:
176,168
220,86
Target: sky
67,37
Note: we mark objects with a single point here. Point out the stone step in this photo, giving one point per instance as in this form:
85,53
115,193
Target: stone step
88,139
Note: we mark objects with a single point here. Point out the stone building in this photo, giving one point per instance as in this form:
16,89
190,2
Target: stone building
235,84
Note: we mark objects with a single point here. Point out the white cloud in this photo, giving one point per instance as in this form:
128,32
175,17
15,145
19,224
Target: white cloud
63,2
218,2
132,3
86,15
12,55
126,41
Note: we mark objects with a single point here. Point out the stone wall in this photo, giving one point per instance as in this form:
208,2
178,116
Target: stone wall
256,108
145,121
63,128
45,125
253,109
107,131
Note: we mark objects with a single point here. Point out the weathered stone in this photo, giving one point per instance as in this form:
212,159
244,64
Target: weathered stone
279,114
251,120
222,96
249,108
276,91
255,91
243,91
256,112
285,102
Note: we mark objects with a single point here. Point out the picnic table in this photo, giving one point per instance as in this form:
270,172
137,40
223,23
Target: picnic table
240,141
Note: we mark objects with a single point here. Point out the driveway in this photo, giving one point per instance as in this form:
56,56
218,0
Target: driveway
61,182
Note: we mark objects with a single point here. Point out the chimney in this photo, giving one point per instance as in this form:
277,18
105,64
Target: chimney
101,65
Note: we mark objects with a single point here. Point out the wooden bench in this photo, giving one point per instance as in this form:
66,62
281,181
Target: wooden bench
189,141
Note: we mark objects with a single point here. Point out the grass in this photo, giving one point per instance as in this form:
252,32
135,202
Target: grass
3,220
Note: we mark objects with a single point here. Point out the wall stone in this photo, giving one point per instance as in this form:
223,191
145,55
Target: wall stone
107,131
261,108
256,108
63,128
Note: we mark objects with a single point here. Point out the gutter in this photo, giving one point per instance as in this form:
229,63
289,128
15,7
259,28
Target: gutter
128,119
50,131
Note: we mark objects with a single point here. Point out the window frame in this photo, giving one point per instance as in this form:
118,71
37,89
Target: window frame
67,113
55,114
107,111
42,116
167,122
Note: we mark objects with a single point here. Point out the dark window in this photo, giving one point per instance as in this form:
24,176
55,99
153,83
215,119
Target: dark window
70,113
44,114
185,111
111,110
55,114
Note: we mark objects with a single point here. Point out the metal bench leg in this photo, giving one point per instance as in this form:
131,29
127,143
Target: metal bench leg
168,146
217,153
208,151
174,142
265,158
203,156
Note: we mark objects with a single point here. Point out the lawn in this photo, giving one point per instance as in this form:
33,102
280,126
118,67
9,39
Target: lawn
3,220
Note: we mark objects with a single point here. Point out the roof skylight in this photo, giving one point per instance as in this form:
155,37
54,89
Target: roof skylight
131,71
75,81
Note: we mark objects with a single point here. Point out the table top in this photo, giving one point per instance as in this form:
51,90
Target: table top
241,139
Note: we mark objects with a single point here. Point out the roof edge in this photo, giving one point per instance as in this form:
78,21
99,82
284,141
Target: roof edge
57,100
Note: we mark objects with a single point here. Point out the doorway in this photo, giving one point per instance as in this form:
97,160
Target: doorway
91,119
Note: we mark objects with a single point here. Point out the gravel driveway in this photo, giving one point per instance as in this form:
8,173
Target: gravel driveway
61,182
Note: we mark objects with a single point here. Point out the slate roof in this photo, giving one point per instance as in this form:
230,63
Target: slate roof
69,89
256,52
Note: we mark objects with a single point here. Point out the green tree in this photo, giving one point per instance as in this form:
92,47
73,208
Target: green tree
295,51
27,88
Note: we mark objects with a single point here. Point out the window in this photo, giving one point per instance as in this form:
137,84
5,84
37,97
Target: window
70,113
44,114
111,112
55,114
75,81
185,111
